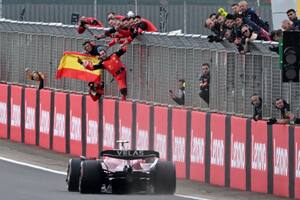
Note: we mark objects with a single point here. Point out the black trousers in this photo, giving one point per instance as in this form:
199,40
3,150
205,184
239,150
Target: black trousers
204,94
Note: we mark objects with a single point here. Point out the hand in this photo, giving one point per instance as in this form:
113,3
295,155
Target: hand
255,118
79,61
271,121
274,48
95,22
211,38
124,44
100,36
172,95
82,22
203,85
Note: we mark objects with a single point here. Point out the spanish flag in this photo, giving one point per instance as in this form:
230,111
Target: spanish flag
70,68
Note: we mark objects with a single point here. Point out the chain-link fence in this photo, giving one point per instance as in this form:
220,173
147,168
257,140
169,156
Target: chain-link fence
155,63
167,15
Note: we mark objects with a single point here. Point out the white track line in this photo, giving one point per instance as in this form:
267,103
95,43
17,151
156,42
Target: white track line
64,173
32,166
190,197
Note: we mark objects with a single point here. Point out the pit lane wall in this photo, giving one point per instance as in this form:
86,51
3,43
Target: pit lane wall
218,149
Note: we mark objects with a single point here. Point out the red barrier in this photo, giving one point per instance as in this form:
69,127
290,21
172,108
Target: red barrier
45,109
281,160
238,153
3,111
142,126
217,149
59,123
30,118
125,121
297,162
108,124
92,135
259,156
161,131
197,146
75,124
15,121
179,125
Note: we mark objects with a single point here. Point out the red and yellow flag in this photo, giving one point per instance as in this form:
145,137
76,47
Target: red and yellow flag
70,68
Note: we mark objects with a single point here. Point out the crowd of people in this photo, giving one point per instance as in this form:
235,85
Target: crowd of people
123,30
287,117
240,27
243,25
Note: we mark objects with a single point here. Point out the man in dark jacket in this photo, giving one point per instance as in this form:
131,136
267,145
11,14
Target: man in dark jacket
90,48
204,83
291,13
287,117
256,101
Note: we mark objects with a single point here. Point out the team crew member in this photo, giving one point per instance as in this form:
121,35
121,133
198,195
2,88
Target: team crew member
88,21
113,65
144,25
121,32
96,90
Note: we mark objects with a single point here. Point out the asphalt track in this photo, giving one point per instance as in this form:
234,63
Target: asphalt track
23,182
31,173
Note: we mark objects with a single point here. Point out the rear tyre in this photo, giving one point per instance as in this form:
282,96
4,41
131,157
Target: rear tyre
73,174
164,178
91,177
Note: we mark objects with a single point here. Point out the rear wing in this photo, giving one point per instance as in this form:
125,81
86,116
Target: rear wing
130,154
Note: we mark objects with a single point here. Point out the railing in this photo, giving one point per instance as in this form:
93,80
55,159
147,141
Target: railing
155,62
167,15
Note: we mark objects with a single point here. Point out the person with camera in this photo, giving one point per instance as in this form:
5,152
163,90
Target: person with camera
180,97
35,76
287,117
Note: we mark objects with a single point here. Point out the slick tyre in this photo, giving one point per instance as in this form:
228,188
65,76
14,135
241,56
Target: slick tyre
164,178
73,174
91,177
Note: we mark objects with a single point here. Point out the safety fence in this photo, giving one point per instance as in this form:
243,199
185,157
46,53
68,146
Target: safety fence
155,62
218,149
167,15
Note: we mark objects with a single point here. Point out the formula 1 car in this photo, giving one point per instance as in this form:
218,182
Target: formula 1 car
122,171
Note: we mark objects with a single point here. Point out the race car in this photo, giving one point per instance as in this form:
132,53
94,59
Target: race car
122,171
